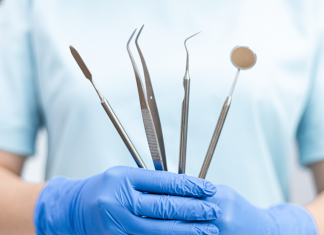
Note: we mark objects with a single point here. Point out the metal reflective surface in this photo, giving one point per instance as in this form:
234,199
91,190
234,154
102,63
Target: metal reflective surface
148,118
152,103
243,58
184,115
109,111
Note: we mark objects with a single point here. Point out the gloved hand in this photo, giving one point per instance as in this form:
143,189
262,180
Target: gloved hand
126,200
240,217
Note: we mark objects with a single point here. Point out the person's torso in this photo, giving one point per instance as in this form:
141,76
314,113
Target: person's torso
253,151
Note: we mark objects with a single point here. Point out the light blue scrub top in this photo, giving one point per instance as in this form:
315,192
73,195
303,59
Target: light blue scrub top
274,104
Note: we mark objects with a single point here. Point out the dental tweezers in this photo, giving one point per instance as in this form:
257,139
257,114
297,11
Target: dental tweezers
150,114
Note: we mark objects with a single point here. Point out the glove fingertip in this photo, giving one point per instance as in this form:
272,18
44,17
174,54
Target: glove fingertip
212,229
200,187
209,189
219,213
206,229
212,211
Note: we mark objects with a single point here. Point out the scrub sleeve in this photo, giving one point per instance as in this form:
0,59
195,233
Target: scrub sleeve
310,134
19,107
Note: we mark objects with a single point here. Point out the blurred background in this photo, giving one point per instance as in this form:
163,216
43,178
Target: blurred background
302,187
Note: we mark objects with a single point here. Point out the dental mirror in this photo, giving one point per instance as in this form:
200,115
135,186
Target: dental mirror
242,58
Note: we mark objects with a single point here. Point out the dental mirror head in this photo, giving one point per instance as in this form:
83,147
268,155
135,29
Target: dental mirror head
243,57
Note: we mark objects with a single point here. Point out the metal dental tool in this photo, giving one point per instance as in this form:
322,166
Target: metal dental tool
243,58
109,111
149,109
184,115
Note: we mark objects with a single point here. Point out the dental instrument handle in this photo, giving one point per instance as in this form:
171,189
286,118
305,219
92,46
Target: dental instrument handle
185,114
152,103
122,133
184,126
148,120
218,130
214,140
109,110
244,58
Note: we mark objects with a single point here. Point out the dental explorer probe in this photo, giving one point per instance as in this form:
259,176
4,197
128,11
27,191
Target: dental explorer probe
109,111
243,58
184,115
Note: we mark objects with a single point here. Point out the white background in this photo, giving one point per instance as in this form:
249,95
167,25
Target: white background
302,185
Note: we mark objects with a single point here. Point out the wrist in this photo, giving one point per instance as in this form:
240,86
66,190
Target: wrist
289,219
56,206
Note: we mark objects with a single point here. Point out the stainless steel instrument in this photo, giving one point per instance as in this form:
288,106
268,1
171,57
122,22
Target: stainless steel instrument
243,58
184,115
109,111
152,124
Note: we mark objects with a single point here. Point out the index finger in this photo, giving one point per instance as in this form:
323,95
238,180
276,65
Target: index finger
163,182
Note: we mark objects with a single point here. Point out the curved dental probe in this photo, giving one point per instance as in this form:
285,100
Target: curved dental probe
109,111
184,115
151,121
242,58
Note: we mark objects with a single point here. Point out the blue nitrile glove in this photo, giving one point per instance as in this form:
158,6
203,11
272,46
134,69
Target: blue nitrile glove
240,217
125,200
